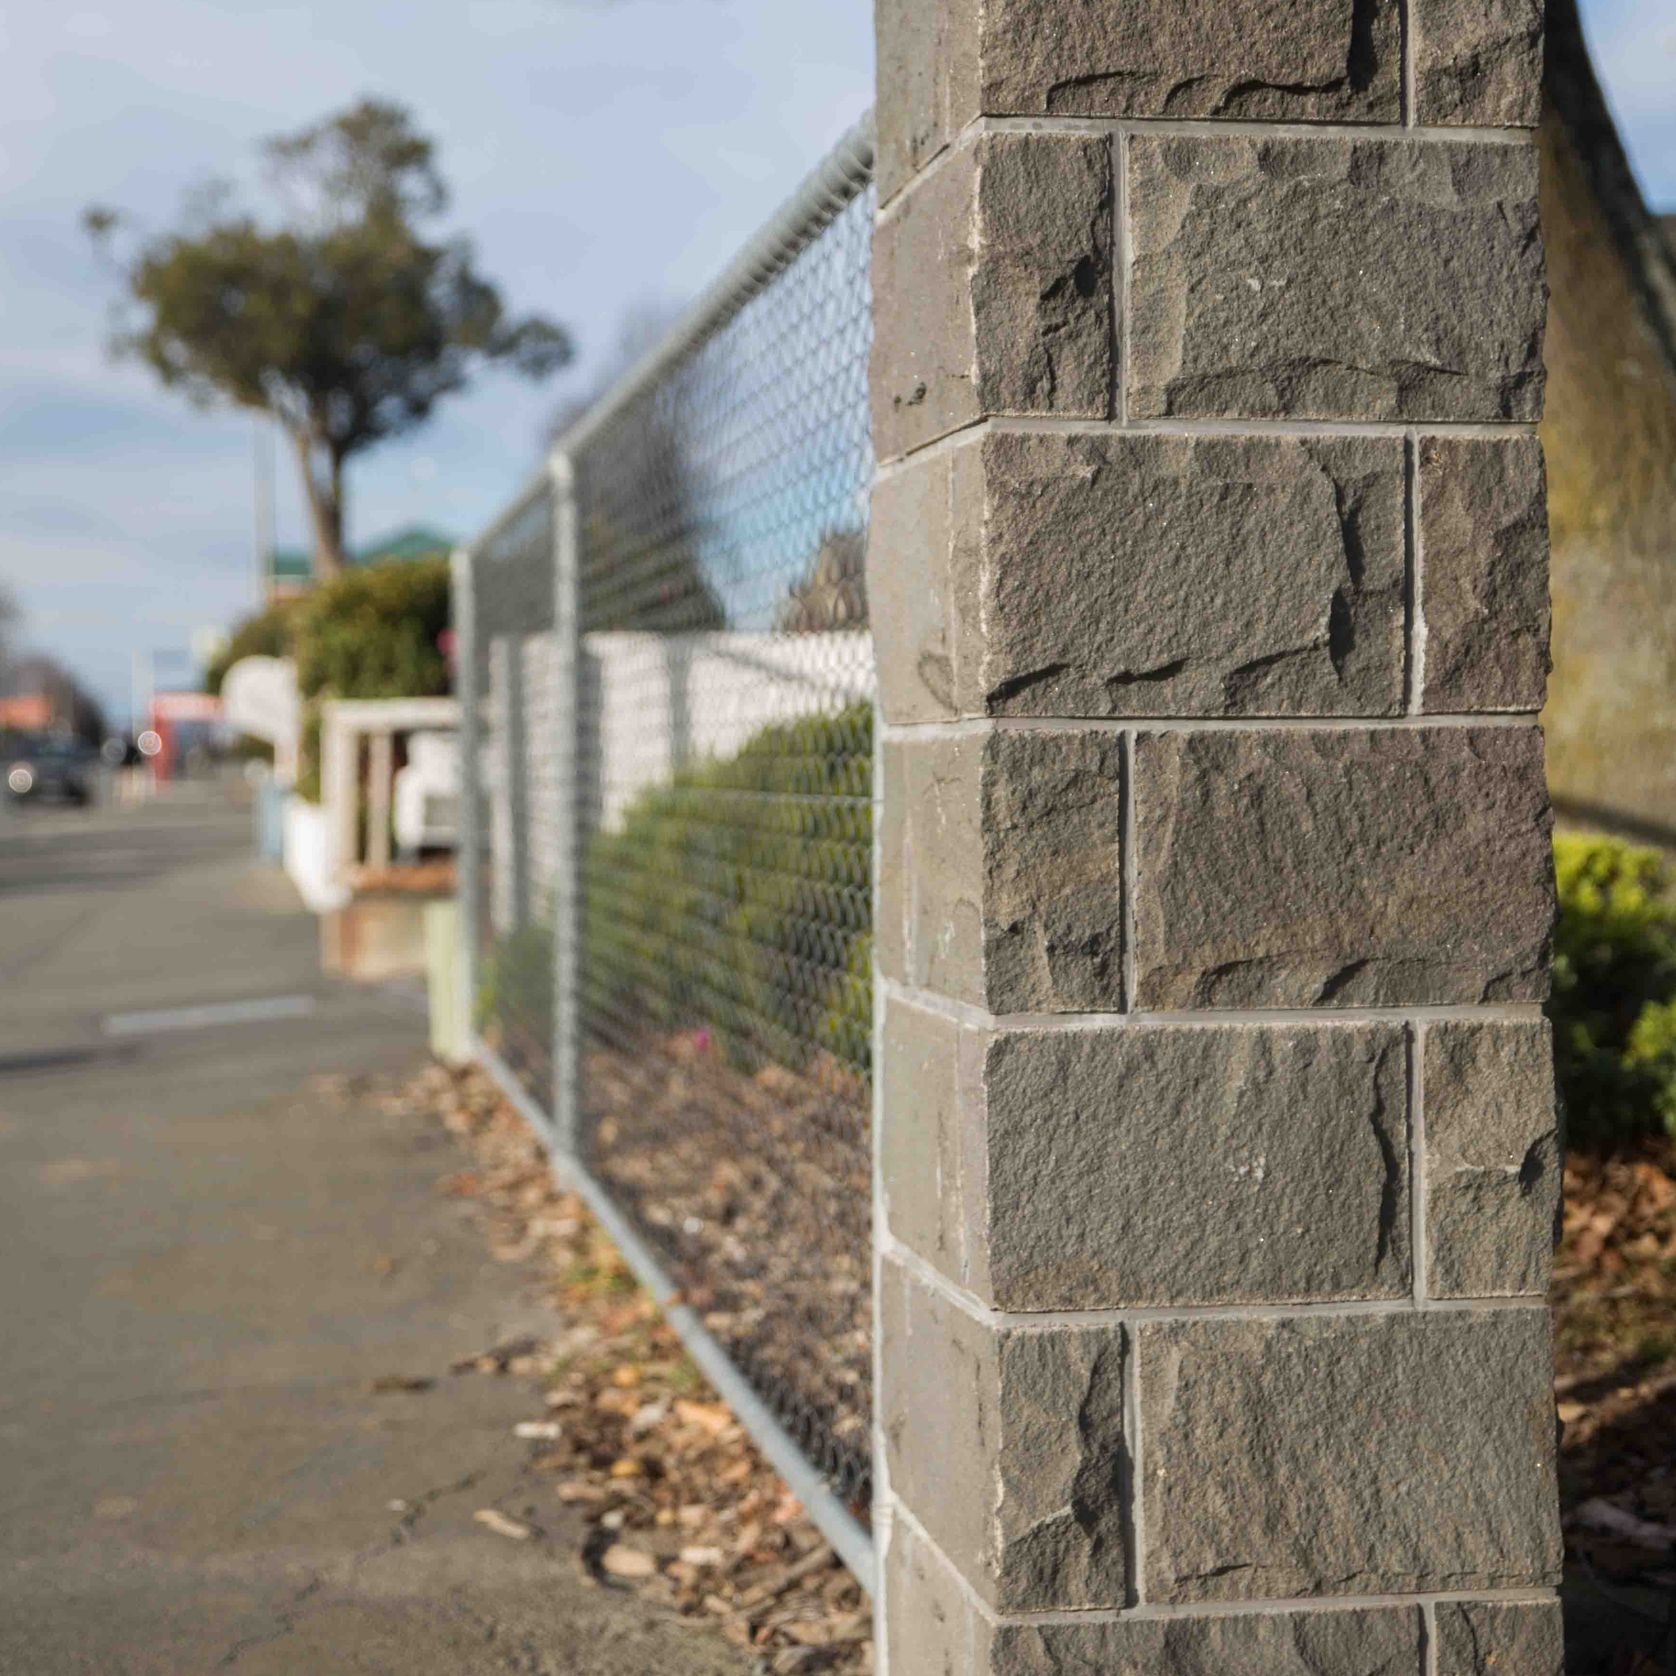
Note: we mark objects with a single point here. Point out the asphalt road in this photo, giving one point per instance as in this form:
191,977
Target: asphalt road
206,1263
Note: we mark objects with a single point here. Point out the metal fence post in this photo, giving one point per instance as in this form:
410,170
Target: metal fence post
567,882
467,861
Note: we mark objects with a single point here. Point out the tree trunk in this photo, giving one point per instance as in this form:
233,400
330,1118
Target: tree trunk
325,506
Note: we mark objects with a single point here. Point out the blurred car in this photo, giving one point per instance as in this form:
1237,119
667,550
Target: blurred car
48,769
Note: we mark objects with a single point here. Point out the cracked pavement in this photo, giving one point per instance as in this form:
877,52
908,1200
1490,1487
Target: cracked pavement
205,1265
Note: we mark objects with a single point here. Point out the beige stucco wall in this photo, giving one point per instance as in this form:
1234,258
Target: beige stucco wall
1610,438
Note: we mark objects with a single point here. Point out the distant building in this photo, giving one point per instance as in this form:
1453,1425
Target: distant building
291,569
1610,441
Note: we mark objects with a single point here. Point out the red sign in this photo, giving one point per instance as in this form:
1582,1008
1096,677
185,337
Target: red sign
27,713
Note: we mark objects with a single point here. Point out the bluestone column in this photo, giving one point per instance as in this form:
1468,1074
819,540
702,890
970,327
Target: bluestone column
1208,578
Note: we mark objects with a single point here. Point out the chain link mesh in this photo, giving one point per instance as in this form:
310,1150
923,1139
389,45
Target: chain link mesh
725,758
518,808
719,682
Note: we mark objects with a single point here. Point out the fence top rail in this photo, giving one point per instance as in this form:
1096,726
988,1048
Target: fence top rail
835,183
392,715
539,484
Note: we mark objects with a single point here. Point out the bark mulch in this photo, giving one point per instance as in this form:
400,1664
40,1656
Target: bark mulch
679,1503
1615,1329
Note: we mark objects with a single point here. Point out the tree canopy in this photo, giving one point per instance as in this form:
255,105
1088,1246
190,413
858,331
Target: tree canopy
336,315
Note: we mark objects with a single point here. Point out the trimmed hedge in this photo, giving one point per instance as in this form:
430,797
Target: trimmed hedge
735,899
270,633
375,632
371,632
1614,1002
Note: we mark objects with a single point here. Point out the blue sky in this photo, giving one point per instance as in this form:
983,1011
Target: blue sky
603,154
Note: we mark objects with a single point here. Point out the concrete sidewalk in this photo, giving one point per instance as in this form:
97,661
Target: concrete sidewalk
205,1266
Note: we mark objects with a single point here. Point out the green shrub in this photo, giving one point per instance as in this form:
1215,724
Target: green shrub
374,631
270,633
735,899
515,982
1614,1004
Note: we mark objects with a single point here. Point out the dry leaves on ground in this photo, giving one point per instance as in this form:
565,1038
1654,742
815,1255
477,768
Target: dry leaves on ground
678,1502
1615,1324
680,1505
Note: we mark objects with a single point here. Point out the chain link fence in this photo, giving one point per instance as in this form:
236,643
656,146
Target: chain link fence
693,858
515,804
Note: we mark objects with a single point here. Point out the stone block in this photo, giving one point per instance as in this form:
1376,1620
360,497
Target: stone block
1334,279
1007,1445
1025,1164
943,63
932,1146
992,289
1379,1642
1156,575
1000,873
927,83
1478,63
1484,570
1252,60
1107,575
1341,866
1492,1158
931,1626
1195,1165
923,566
1361,1454
1494,1638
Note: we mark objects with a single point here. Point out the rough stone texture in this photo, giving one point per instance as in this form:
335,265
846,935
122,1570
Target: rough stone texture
929,928
1490,1638
1484,568
1373,1454
910,562
1333,278
927,83
1278,60
1152,575
1492,1158
941,64
933,1156
1007,1446
933,1629
1478,63
1098,574
1345,867
931,1626
1000,877
1196,1165
992,287
1382,1642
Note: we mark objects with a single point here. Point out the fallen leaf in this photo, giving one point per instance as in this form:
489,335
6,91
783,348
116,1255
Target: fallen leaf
619,1560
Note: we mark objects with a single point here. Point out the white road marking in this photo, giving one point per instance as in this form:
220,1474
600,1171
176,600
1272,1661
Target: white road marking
256,1011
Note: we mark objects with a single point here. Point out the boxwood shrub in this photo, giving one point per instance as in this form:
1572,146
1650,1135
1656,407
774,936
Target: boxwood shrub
735,899
1614,1002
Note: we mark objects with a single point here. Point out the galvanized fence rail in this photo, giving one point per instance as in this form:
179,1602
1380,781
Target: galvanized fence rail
667,689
